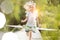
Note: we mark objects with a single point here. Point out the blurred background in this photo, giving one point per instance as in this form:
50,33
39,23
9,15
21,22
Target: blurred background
48,15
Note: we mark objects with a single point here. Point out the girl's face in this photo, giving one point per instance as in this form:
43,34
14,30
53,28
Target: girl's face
31,8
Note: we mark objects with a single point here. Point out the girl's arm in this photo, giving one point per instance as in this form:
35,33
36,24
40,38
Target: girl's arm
24,20
37,21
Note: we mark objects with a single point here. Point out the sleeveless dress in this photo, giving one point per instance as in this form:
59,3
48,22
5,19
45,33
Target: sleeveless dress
31,21
31,25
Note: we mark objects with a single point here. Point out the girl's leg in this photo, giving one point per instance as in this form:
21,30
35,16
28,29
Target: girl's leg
30,35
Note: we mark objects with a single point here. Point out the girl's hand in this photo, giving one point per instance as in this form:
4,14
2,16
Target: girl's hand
22,20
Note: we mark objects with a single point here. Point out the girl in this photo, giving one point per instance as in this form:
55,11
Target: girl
31,16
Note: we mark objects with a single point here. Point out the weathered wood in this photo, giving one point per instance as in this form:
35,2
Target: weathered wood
19,26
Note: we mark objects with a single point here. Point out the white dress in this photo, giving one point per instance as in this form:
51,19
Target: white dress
31,18
31,21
